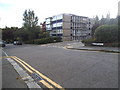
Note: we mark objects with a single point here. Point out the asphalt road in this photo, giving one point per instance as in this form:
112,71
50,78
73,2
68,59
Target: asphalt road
70,68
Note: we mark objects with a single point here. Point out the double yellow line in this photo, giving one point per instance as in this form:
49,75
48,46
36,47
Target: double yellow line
31,70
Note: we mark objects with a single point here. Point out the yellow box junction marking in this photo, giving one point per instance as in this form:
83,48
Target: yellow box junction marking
32,70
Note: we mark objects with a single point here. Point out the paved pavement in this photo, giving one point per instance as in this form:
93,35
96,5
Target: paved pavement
10,78
80,46
70,68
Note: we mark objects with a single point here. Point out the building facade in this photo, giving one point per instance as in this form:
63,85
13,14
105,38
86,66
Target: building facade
69,26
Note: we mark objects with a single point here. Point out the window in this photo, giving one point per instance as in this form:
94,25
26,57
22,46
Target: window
48,27
59,24
54,25
53,28
53,34
53,22
54,18
59,27
84,19
60,20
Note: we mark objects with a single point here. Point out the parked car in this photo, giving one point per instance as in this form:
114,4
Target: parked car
2,44
17,43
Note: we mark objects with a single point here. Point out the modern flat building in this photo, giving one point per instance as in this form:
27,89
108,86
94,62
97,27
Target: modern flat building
69,26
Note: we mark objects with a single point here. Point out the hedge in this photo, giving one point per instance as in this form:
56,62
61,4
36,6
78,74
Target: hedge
47,40
107,33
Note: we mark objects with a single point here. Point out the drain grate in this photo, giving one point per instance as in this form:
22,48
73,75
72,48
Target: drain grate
36,77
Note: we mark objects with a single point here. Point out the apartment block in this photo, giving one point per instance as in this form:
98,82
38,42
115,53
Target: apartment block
69,26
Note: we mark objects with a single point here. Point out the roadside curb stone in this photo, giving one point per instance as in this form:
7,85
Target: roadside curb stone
92,49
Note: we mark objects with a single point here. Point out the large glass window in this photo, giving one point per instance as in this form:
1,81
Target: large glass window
84,19
59,24
48,21
47,26
59,27
54,18
54,28
60,20
61,31
54,25
53,22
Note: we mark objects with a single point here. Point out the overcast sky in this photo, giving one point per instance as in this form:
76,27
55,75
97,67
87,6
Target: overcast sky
11,11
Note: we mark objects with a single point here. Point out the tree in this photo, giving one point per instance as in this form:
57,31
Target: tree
44,34
8,34
29,18
103,20
118,18
95,25
30,26
21,35
96,19
108,16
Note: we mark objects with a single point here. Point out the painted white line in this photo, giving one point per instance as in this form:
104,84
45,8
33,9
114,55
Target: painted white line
42,45
5,53
25,76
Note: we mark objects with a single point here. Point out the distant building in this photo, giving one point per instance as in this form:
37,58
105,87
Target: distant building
69,26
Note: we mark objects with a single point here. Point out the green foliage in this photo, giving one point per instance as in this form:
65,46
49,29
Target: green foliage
107,33
33,33
90,40
47,40
57,39
114,44
94,28
40,41
30,20
43,40
22,34
31,30
44,34
104,21
8,34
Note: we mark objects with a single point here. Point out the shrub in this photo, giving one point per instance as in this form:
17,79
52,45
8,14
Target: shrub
47,40
114,44
50,39
40,41
88,42
107,33
57,39
29,42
